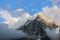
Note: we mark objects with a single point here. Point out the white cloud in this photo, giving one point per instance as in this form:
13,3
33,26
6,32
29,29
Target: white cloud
5,31
8,18
53,34
55,2
7,34
52,14
21,21
19,12
12,22
23,18
15,22
5,15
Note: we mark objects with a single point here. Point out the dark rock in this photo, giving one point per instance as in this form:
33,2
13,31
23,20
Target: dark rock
36,27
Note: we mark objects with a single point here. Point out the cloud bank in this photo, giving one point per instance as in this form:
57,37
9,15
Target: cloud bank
52,14
20,17
6,34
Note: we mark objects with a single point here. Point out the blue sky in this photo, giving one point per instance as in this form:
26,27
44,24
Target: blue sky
30,6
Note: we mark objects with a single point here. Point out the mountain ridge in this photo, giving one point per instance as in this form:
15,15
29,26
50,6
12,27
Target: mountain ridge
36,27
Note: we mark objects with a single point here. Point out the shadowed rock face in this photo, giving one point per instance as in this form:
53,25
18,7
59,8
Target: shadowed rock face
36,28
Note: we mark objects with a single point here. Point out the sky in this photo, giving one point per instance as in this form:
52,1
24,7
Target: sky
30,6
14,13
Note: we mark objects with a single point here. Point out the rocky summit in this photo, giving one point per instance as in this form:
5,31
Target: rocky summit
36,28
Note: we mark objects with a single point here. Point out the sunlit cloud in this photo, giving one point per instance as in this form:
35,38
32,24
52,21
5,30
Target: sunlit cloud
52,14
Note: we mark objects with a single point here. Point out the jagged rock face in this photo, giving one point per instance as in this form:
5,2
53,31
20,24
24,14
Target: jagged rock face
36,27
37,24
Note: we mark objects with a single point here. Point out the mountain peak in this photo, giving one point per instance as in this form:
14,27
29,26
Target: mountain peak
40,16
38,26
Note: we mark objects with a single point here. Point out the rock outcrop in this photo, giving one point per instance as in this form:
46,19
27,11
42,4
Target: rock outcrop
36,27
